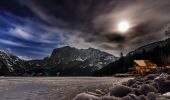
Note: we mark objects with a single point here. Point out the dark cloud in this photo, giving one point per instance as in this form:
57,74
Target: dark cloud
76,13
113,37
15,8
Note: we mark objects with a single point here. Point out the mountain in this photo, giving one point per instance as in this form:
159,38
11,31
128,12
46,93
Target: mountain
70,61
157,52
67,61
11,65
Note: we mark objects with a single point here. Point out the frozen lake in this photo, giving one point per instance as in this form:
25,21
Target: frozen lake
52,88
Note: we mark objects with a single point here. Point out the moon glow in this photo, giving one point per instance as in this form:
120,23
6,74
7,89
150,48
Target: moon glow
123,26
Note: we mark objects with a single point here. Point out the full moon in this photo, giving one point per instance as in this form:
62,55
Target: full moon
123,26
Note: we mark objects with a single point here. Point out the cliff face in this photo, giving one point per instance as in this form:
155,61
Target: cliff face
71,61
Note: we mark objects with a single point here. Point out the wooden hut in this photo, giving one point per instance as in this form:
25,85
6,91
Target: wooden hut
143,67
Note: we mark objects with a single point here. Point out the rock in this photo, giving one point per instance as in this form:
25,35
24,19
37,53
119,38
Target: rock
168,77
147,88
138,83
133,96
99,92
162,76
142,97
127,98
162,98
130,82
109,98
151,96
139,79
148,82
154,84
85,96
167,94
136,92
120,91
130,97
135,86
163,85
93,93
149,77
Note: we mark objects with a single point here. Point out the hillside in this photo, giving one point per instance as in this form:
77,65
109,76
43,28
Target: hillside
157,52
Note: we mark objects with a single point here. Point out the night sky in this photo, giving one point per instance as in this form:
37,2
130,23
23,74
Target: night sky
31,29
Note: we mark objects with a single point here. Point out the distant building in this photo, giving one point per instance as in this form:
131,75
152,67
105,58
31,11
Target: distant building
143,67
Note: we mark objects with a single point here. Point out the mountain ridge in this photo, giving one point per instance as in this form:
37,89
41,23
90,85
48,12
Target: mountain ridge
157,52
79,61
62,60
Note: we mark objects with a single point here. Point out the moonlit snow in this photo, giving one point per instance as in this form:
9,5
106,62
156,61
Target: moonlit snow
53,88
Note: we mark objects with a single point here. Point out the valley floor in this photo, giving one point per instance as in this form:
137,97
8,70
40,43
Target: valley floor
52,88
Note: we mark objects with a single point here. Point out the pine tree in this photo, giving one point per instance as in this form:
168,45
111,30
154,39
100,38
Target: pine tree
167,32
121,54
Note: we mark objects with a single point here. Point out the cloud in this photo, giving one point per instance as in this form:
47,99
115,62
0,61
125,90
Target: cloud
27,32
12,43
20,33
88,23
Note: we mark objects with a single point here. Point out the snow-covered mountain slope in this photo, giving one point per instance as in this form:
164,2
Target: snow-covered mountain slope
63,61
71,61
11,65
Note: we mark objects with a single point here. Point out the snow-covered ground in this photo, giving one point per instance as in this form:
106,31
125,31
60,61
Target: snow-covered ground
52,88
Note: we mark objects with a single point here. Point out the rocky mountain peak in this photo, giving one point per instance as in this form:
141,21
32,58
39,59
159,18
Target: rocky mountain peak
63,61
80,61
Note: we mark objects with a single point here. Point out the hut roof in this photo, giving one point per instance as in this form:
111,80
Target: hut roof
143,62
140,62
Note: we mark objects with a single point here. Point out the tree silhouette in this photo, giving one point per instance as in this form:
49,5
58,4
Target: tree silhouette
167,32
121,54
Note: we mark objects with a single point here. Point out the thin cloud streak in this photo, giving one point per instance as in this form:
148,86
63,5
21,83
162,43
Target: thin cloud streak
12,43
